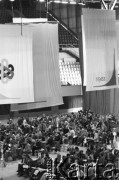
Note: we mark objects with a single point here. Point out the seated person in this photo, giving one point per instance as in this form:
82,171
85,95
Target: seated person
64,166
50,142
41,162
28,149
26,160
77,150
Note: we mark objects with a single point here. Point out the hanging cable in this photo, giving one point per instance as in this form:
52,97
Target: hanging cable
12,8
47,9
20,5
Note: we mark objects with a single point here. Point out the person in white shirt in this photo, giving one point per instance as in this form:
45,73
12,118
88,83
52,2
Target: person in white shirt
24,122
96,136
72,132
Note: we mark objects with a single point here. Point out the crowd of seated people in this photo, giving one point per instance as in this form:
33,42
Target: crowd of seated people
42,135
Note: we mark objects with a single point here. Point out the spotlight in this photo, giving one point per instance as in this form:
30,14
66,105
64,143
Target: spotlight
64,2
81,3
57,1
71,2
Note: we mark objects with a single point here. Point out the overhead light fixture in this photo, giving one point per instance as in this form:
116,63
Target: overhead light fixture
12,0
64,2
72,2
81,3
57,1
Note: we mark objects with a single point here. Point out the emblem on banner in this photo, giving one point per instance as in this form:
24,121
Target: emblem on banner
6,71
112,80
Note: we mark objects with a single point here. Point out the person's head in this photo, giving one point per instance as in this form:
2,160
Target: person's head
71,128
71,159
46,154
44,115
76,149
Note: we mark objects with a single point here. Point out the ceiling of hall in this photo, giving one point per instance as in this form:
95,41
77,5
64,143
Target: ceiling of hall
31,3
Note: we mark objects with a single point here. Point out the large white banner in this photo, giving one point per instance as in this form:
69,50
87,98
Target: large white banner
16,66
117,31
99,49
46,75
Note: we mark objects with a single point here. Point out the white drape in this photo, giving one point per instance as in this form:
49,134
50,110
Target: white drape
17,51
47,88
117,38
99,49
46,64
106,101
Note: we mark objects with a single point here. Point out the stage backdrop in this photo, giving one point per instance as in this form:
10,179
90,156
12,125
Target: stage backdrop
16,66
99,49
46,78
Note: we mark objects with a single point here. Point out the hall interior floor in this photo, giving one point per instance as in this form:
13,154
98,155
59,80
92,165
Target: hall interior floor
10,171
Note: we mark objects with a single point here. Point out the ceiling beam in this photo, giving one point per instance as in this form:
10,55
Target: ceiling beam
112,4
104,4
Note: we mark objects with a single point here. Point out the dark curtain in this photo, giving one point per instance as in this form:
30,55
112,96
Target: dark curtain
102,102
4,109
